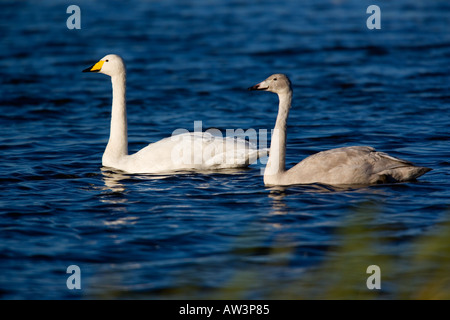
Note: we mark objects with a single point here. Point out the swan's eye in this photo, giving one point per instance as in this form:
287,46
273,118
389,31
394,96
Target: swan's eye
274,79
106,60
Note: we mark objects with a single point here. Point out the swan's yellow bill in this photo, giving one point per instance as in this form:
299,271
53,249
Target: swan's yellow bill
96,67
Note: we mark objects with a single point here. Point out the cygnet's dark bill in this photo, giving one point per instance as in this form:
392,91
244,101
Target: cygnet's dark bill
258,87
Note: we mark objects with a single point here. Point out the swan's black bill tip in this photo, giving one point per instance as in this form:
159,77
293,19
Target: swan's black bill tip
90,70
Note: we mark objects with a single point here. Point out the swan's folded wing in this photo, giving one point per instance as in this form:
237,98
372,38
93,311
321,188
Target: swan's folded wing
354,165
194,150
231,152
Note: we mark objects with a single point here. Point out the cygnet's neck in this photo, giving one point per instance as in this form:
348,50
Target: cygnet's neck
277,155
117,146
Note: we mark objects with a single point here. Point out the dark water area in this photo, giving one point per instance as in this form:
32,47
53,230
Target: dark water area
222,234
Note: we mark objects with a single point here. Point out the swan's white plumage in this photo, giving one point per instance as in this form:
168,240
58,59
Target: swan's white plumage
187,151
342,166
190,151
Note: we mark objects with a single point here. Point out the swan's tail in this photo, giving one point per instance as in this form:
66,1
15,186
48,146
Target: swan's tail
255,154
263,152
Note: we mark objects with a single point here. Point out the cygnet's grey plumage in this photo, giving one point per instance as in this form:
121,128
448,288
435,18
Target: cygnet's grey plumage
342,166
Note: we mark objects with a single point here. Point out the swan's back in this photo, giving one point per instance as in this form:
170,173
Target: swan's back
352,165
193,150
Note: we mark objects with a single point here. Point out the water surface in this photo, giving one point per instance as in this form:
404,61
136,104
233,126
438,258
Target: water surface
222,234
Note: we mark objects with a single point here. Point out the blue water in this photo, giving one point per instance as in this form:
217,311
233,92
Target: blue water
221,234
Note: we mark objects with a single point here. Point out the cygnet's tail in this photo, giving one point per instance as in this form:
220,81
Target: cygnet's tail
401,174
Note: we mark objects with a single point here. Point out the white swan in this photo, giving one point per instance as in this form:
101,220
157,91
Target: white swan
341,166
186,151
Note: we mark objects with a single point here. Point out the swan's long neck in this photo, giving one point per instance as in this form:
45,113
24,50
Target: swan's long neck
118,139
277,156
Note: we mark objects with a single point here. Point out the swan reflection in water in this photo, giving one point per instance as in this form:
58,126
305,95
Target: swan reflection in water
114,179
278,194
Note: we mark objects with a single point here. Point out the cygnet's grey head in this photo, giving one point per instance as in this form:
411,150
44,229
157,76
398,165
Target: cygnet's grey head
276,83
110,65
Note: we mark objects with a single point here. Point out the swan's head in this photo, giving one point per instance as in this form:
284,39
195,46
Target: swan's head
110,65
276,83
